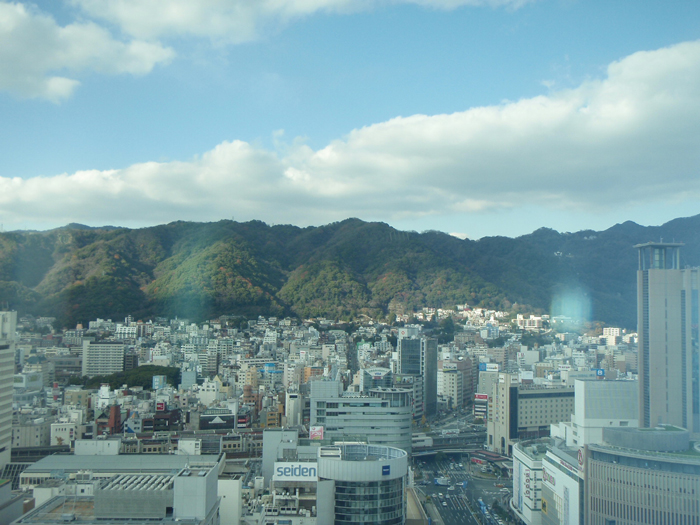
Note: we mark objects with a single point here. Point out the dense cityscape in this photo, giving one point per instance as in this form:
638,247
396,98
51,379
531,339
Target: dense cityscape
463,415
349,262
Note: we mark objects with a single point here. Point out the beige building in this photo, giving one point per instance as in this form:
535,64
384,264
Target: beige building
667,311
643,476
31,432
524,411
455,381
8,325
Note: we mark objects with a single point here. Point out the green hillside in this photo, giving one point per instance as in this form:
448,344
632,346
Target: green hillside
340,270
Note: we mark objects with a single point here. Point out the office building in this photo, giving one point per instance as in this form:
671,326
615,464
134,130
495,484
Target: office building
524,411
414,386
384,417
667,323
418,357
455,381
8,324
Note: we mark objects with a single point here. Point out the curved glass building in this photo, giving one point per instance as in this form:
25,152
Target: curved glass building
362,484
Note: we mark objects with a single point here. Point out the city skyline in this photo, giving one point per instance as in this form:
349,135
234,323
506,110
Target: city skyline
474,118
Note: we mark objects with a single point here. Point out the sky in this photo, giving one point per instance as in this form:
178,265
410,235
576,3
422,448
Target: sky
472,117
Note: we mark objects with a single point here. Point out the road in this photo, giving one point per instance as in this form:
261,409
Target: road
455,496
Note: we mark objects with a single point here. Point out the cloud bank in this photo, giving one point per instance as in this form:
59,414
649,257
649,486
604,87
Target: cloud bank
628,138
38,57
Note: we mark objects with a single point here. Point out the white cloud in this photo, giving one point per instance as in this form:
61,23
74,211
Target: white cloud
236,21
627,139
36,53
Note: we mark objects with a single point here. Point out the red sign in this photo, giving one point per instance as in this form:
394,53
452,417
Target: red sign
481,397
160,406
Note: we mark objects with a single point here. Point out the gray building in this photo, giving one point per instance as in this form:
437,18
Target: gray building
418,357
383,418
188,496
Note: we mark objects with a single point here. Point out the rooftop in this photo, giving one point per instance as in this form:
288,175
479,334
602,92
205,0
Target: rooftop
120,463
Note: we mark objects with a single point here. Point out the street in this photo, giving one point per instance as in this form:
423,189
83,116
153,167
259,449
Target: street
452,505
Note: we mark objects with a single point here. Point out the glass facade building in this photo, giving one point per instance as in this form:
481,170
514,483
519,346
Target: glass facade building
362,484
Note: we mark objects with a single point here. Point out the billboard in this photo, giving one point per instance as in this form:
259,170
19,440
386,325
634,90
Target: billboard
295,472
492,367
160,406
316,432
481,397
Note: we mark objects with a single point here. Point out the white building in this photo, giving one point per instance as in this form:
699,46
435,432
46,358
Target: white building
322,484
527,480
102,358
599,405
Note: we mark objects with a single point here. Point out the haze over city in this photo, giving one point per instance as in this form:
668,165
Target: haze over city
470,117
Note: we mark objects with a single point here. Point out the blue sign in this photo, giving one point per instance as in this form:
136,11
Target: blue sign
482,367
600,372
386,470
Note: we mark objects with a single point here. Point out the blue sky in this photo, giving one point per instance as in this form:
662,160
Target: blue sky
466,116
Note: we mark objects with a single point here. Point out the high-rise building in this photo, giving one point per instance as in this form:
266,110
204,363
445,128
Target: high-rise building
667,322
8,324
101,359
418,357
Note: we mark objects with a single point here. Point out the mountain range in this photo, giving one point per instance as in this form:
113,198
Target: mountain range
340,270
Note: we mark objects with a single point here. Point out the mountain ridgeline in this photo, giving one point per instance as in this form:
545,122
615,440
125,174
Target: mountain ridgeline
341,270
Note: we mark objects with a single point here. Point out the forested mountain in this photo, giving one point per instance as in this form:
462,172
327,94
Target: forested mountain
201,270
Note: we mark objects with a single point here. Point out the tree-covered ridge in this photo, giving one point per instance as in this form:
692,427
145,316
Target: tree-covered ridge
340,270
